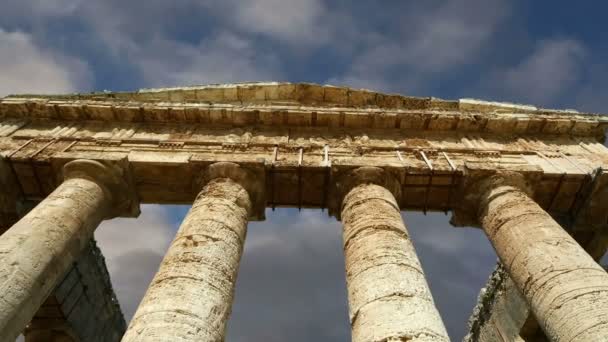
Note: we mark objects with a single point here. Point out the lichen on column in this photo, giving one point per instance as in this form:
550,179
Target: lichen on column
37,251
565,288
190,297
389,299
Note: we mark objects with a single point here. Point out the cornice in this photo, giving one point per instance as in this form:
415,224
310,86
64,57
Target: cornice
303,104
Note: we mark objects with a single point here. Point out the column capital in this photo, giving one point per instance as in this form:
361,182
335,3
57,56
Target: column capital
114,179
478,181
350,179
251,178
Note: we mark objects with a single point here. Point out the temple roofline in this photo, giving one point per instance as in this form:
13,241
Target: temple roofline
304,93
303,104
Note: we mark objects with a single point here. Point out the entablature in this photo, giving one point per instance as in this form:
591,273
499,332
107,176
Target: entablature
301,164
302,136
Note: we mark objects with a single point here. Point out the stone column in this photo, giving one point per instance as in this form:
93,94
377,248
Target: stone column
565,288
37,251
190,297
389,299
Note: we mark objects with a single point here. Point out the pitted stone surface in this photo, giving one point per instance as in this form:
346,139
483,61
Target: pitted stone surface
389,299
37,251
565,288
190,297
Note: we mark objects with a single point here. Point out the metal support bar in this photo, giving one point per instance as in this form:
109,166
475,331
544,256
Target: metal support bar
558,189
426,160
42,149
452,166
12,164
594,178
70,146
33,166
452,181
428,188
589,179
272,180
36,177
404,185
300,159
19,148
327,174
400,156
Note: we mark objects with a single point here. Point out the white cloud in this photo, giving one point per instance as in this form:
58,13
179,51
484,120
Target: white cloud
140,35
296,21
451,35
28,68
431,40
292,263
133,249
225,57
552,68
592,92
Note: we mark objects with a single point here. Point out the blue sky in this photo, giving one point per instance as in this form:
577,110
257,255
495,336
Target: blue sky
291,284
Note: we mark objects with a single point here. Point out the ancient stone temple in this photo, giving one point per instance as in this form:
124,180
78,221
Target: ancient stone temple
532,179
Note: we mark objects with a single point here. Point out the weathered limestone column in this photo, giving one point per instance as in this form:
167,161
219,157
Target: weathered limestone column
565,288
37,251
190,298
389,299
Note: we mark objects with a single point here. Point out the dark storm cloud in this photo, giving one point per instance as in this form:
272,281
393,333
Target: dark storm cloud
291,284
133,250
457,263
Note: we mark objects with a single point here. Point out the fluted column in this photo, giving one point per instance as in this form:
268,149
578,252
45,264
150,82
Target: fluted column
389,299
39,249
565,288
190,297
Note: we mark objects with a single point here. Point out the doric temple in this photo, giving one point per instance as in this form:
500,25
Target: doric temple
533,179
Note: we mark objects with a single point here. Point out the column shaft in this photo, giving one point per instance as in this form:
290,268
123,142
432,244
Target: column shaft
190,297
565,288
37,251
389,298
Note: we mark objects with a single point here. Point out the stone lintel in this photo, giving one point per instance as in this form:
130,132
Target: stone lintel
112,171
477,176
250,176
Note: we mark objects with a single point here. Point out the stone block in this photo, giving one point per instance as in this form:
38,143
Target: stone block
335,95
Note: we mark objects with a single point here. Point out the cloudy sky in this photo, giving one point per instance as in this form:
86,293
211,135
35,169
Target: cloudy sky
291,284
